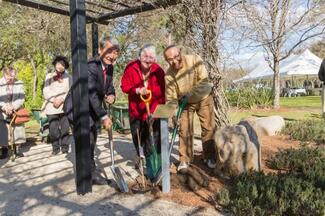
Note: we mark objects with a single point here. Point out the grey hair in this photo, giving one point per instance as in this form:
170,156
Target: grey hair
147,47
104,39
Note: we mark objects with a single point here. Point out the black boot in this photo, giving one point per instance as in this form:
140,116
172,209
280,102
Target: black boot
4,153
18,150
98,179
55,151
55,148
65,149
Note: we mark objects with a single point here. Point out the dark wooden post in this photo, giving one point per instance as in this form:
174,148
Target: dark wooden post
80,97
94,38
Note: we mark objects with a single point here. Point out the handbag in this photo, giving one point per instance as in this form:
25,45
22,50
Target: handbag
21,116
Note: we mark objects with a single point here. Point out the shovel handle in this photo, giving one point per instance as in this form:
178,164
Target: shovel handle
112,151
147,99
110,136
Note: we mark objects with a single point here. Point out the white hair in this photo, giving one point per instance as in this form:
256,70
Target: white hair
147,47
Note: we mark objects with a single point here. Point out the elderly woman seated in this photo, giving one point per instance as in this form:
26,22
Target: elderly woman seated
12,98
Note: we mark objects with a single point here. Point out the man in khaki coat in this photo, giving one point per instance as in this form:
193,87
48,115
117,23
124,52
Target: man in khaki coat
188,77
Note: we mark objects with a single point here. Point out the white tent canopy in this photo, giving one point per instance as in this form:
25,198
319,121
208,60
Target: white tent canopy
304,64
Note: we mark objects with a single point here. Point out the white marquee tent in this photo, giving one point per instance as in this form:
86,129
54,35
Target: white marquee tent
304,64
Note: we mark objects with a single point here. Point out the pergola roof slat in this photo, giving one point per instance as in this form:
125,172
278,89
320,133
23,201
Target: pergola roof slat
95,14
67,5
136,9
48,8
40,6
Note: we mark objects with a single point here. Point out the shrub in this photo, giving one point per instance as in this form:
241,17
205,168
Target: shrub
314,92
306,130
294,191
25,74
260,194
246,97
305,163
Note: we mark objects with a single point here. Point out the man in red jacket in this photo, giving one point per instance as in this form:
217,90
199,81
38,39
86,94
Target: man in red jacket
140,76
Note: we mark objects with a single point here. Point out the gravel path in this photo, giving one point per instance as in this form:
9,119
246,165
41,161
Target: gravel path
42,184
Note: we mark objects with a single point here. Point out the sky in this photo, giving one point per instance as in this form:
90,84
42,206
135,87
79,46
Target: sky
246,53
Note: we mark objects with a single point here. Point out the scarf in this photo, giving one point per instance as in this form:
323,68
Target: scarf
58,76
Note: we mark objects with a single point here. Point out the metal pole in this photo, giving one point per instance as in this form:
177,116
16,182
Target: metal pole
80,97
165,163
94,37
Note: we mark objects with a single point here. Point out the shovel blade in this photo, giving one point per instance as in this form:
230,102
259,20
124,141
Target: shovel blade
120,181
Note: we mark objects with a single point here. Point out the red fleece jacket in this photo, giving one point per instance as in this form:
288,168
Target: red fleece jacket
133,79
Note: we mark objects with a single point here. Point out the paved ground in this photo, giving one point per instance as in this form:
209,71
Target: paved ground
41,184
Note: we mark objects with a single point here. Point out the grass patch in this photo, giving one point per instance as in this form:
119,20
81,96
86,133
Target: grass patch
296,108
301,102
289,115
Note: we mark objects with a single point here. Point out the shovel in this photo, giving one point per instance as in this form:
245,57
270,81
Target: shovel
121,183
141,156
153,160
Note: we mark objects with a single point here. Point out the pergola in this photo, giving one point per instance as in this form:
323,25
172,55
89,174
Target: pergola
82,12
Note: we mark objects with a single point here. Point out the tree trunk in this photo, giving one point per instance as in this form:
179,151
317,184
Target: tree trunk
211,56
276,85
35,78
204,15
220,101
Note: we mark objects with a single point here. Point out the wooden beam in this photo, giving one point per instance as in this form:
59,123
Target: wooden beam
80,98
135,10
48,8
94,38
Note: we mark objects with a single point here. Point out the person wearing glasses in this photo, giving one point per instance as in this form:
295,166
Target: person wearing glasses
55,90
141,76
187,78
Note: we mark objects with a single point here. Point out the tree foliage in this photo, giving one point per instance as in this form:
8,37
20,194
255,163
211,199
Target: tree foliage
28,40
280,27
197,25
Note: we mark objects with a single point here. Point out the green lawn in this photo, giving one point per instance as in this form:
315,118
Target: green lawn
291,109
237,115
301,102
